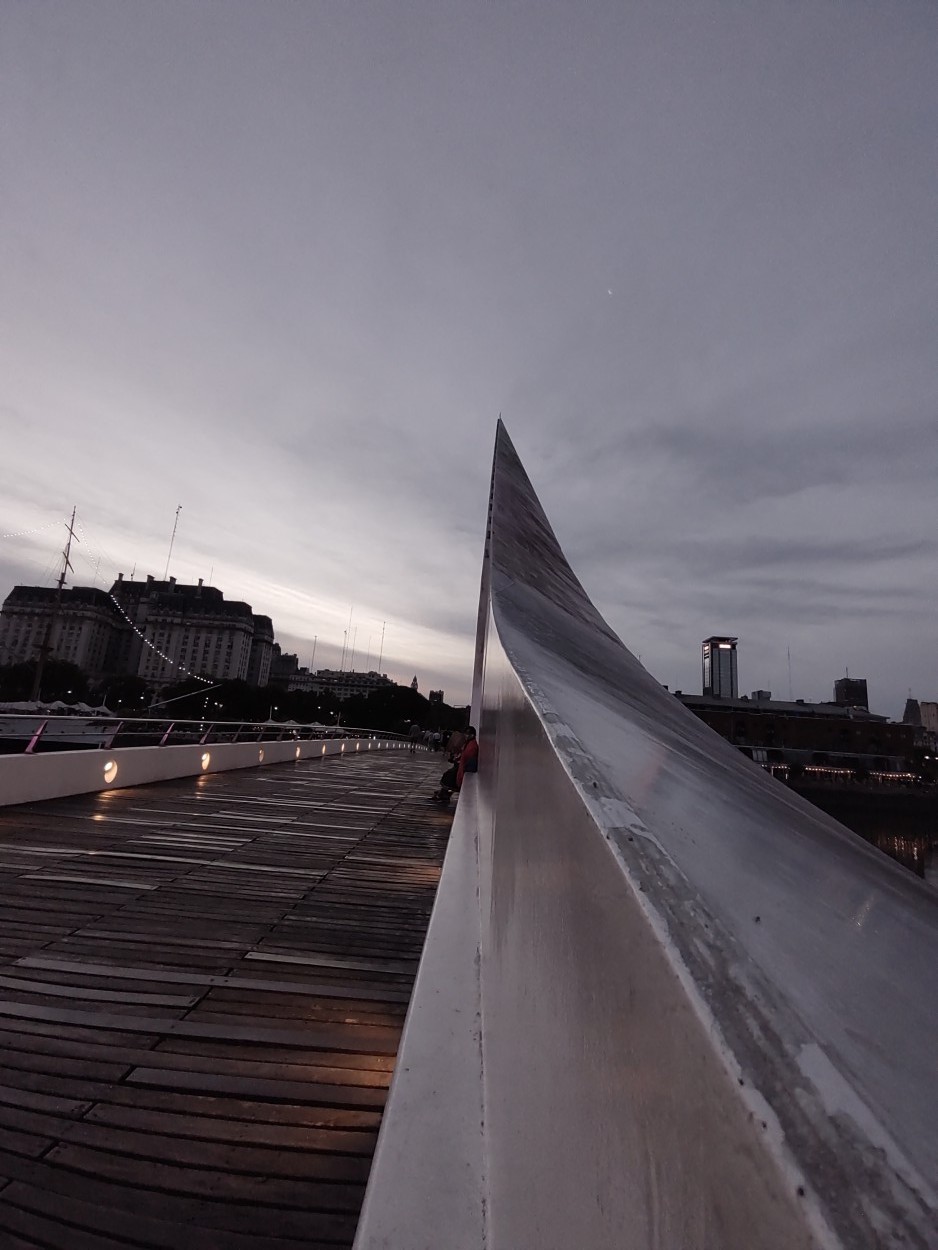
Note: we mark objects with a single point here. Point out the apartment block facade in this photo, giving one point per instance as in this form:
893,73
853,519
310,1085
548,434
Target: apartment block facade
161,631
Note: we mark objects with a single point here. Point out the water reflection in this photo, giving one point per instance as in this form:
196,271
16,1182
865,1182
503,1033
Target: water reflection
903,825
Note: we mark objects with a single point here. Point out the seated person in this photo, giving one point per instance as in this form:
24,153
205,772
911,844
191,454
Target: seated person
468,762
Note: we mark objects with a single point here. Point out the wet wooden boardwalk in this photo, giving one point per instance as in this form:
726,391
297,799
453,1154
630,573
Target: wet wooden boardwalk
202,988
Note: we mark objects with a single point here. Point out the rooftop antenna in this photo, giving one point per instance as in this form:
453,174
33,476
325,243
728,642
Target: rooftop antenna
789,675
46,645
312,662
346,636
381,652
351,663
171,541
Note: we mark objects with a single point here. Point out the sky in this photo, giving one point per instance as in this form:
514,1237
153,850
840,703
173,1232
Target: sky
283,264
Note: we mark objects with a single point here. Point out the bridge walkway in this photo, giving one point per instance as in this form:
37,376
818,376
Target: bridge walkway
202,988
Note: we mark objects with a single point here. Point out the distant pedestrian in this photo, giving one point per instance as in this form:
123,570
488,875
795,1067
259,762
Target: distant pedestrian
416,733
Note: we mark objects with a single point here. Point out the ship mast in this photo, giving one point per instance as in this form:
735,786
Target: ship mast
171,541
46,645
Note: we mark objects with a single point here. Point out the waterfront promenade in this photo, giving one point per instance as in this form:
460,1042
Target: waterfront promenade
202,988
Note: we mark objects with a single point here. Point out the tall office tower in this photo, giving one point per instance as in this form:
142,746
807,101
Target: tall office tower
718,660
851,692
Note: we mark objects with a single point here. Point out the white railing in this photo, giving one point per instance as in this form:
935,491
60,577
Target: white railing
36,732
664,1002
56,757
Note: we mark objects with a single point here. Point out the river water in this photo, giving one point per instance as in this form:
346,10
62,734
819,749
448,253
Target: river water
902,824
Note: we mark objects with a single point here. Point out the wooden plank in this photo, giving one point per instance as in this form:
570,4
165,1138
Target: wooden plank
86,994
251,1220
102,1223
258,983
326,961
370,1097
243,1132
375,1040
198,1029
208,1182
322,1067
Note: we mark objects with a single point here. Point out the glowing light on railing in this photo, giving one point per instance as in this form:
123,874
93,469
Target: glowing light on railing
260,755
297,752
358,746
324,748
342,748
206,760
110,771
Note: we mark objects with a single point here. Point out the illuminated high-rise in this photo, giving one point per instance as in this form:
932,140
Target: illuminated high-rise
718,662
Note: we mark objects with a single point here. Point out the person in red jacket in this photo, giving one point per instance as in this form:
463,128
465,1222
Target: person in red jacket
468,762
468,757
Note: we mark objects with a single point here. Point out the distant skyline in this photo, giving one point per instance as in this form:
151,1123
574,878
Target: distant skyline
285,264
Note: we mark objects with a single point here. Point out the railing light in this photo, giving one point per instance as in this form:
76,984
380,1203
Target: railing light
110,771
206,760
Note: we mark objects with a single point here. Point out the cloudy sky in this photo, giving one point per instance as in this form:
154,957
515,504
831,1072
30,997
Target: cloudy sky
283,263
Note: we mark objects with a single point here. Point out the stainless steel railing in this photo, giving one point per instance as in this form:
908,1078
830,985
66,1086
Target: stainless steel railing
33,733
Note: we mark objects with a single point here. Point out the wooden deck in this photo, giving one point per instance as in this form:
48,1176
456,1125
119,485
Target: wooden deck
202,989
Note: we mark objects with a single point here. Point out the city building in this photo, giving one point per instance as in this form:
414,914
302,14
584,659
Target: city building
262,651
171,631
923,718
779,734
347,685
929,715
283,667
159,631
718,664
913,713
285,671
851,692
79,622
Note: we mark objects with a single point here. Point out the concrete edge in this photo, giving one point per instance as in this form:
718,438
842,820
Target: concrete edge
427,1185
60,774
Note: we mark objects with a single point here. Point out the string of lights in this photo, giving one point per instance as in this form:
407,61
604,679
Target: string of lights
206,681
96,554
37,529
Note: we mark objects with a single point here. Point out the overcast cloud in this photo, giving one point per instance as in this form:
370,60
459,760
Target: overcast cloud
284,264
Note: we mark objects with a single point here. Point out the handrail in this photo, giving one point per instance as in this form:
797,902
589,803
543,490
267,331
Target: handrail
32,733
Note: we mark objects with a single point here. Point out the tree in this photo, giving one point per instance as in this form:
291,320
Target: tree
60,680
126,694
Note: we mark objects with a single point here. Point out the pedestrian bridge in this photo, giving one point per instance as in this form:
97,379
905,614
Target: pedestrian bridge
663,1002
